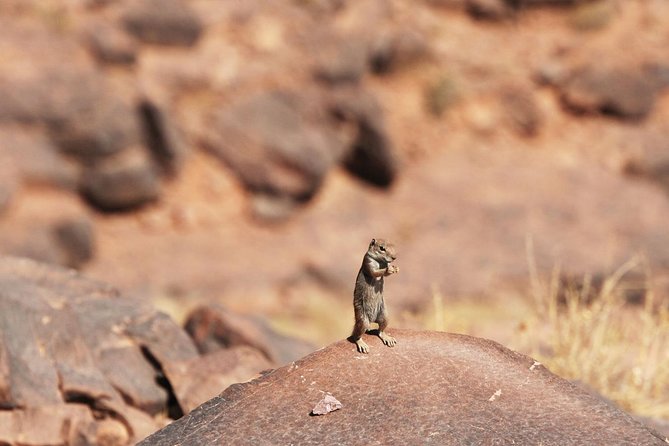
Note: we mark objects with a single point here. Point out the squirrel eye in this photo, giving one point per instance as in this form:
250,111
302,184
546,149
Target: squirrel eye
382,248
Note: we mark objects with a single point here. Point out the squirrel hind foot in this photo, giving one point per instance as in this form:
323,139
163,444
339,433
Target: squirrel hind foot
387,339
362,346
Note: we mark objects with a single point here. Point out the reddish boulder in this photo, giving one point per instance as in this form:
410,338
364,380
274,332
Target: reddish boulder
81,364
624,94
68,347
278,143
52,226
432,387
122,182
372,155
213,328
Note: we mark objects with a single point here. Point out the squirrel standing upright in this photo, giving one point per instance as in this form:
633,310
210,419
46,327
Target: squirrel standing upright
368,301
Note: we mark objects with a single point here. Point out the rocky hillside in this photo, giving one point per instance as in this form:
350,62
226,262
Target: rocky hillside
240,149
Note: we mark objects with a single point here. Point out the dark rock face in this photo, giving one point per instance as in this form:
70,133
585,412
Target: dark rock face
69,345
278,143
432,387
162,137
164,22
372,155
79,360
623,94
101,128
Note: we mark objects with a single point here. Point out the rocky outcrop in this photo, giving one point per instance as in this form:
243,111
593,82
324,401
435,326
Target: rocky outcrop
80,361
432,387
71,346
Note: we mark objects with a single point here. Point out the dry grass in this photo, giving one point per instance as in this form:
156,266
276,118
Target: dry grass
594,336
314,315
619,349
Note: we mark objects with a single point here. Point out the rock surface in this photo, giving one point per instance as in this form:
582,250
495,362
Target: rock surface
52,227
280,143
76,345
200,379
625,94
164,22
432,387
214,328
79,360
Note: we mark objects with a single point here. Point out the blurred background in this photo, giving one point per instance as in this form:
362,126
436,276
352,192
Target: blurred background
244,153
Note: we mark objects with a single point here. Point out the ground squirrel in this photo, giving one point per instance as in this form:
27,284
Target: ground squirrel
368,302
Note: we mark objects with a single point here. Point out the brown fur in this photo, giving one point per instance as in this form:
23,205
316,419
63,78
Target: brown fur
368,301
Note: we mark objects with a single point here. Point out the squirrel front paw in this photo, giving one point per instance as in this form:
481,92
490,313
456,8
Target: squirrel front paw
392,269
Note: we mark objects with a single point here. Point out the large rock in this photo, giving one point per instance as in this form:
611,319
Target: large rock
80,361
101,127
37,86
278,143
625,94
49,226
122,182
79,348
372,155
432,387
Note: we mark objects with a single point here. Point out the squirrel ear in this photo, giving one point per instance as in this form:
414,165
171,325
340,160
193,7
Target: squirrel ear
372,242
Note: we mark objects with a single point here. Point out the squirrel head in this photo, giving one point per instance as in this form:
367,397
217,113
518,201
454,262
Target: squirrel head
382,250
